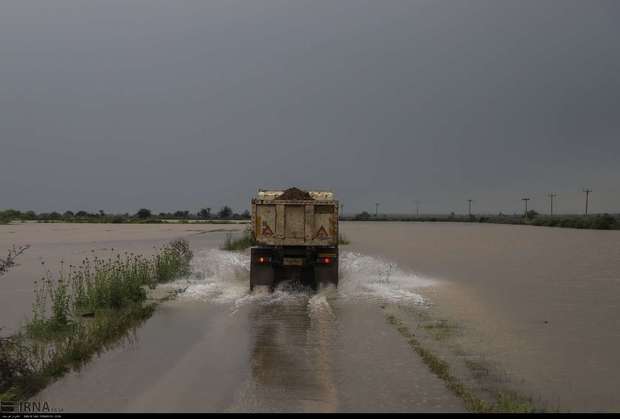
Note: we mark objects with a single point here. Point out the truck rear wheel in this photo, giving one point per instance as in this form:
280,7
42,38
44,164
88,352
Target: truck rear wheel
326,275
261,269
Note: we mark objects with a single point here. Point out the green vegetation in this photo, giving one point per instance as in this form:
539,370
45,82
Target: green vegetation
82,311
142,216
505,402
441,329
241,243
597,221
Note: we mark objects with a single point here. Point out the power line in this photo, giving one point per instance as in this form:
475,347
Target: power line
525,201
587,191
551,196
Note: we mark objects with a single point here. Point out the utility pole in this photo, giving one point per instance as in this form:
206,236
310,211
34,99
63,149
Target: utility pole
417,208
551,196
587,191
525,201
376,210
470,201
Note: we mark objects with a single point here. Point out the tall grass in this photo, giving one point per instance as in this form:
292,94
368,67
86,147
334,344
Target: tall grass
241,243
81,311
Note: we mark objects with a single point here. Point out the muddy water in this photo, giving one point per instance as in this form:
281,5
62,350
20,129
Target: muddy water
220,348
52,243
543,304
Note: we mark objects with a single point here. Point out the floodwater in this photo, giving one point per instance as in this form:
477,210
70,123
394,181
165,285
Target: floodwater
71,243
541,303
220,348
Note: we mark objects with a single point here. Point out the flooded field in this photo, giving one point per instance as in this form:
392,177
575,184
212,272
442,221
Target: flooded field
71,243
540,304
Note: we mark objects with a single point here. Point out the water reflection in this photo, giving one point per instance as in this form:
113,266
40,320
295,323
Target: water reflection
290,362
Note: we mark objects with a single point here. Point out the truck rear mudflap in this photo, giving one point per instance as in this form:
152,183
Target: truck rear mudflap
313,267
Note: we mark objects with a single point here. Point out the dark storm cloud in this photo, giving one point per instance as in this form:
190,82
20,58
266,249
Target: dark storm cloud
117,105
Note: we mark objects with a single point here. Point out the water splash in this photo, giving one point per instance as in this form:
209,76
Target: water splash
372,278
223,277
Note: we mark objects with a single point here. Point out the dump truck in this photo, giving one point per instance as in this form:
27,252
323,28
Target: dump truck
296,236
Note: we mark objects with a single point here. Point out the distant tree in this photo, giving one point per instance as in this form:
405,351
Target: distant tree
225,212
12,214
531,214
101,213
603,222
204,213
143,213
246,215
81,214
364,215
68,214
181,214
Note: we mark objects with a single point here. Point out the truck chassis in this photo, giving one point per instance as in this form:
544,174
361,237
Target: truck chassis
314,266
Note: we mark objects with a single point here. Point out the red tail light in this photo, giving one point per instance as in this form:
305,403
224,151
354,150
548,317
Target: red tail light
326,260
263,259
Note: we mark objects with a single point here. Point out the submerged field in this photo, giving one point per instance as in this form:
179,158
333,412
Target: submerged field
427,317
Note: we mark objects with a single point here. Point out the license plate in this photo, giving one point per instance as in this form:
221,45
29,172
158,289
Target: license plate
293,262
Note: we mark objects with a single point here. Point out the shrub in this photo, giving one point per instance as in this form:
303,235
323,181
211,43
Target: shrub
246,240
143,213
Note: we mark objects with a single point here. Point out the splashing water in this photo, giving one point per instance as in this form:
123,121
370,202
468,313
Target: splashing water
371,278
223,277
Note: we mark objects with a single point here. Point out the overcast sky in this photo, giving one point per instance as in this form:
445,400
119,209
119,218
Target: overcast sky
118,105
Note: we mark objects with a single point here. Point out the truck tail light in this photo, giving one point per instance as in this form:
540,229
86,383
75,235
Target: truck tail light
263,259
325,260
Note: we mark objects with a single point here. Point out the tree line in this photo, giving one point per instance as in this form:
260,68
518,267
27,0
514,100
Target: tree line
142,215
594,221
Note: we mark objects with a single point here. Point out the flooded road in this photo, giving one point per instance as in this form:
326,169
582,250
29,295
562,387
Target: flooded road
540,304
219,348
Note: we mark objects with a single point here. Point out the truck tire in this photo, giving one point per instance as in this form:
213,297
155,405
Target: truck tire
326,275
260,273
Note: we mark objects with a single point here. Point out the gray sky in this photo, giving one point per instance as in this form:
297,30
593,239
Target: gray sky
118,105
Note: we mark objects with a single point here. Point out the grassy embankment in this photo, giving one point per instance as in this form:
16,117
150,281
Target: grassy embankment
247,240
81,312
477,397
595,222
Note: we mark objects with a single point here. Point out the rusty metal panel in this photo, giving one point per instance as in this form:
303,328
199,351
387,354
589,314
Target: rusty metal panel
324,232
265,222
280,222
294,222
309,221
